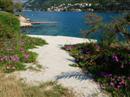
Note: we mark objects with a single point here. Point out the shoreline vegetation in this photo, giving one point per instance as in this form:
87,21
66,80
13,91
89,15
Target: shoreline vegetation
14,46
108,60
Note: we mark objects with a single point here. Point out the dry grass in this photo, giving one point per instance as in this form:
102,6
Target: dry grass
10,87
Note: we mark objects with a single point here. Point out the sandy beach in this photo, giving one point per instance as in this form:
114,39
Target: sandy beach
55,67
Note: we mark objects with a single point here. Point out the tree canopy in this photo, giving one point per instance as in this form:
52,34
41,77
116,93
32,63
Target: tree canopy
6,5
10,6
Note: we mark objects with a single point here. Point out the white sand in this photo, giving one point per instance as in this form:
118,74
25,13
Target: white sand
56,68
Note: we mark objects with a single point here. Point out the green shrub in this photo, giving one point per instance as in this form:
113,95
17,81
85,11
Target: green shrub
14,46
12,58
31,42
7,5
9,25
108,60
110,66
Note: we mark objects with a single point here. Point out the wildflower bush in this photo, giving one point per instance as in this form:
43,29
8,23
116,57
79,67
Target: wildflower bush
14,46
108,60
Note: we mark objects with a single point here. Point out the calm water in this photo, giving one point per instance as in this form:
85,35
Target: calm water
67,23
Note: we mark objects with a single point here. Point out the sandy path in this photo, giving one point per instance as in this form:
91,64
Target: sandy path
56,67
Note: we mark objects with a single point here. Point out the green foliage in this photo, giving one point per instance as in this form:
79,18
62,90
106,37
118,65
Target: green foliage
31,42
110,66
108,59
9,25
111,5
111,32
14,46
13,58
27,56
18,7
6,5
10,6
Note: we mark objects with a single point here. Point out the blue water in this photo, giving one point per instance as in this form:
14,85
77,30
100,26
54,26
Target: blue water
67,23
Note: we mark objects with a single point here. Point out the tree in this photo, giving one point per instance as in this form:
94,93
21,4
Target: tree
6,5
110,32
18,7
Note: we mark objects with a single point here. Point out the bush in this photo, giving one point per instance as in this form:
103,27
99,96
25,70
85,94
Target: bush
9,25
108,60
6,5
88,55
12,58
109,66
14,46
31,42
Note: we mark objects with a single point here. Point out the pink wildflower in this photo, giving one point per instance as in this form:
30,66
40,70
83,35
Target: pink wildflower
26,55
115,58
14,58
22,49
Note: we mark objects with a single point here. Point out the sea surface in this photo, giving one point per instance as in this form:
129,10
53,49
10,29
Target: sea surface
65,23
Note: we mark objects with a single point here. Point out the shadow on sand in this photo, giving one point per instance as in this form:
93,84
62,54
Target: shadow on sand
76,75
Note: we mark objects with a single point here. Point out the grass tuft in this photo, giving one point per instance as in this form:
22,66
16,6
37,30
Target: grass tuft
10,87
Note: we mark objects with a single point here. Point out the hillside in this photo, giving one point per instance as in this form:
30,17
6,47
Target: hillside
110,5
44,4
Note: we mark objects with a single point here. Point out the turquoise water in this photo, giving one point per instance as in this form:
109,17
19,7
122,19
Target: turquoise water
67,23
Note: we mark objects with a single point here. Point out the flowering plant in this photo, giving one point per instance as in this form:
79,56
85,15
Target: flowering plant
108,60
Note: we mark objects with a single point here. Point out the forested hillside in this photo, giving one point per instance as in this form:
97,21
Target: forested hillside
115,5
44,4
11,5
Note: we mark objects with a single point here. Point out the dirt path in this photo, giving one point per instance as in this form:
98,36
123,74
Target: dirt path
55,62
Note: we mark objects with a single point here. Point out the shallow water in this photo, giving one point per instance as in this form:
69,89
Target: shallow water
67,23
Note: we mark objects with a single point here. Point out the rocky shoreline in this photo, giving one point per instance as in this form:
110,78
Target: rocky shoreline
24,22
